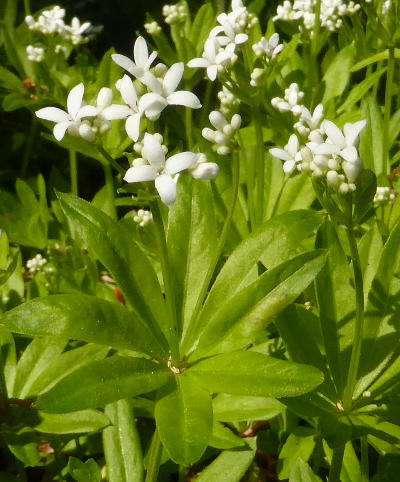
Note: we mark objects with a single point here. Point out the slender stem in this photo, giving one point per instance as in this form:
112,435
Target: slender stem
336,464
249,181
358,328
110,160
4,407
278,197
154,458
73,172
388,109
168,286
259,170
183,470
217,254
364,459
112,210
27,6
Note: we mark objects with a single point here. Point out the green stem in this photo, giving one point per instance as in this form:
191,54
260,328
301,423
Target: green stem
259,170
314,52
154,458
359,323
73,172
364,459
27,6
336,464
188,123
249,181
168,286
278,197
110,160
183,470
112,210
388,109
217,253
4,407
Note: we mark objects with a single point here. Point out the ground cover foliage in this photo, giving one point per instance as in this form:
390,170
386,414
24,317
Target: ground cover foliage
200,244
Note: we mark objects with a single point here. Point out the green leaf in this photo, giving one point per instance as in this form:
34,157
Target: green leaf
372,136
85,318
239,408
369,250
122,448
112,244
34,361
223,438
351,466
336,300
300,443
337,75
76,422
8,80
192,240
184,420
7,361
201,26
23,445
360,90
251,373
101,382
364,195
301,472
230,465
275,241
87,471
297,193
236,322
373,59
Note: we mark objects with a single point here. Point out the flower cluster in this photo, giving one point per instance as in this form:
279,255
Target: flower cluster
143,218
174,13
304,11
229,103
35,54
52,22
223,135
384,195
152,28
37,265
290,102
268,49
220,47
154,166
330,153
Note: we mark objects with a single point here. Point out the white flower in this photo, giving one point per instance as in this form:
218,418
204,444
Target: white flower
99,124
174,13
224,133
71,119
75,31
290,154
268,48
141,65
293,95
204,170
215,58
152,28
143,218
149,104
154,167
384,195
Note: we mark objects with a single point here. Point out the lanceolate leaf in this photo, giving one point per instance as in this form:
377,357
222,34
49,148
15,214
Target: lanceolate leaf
75,422
184,420
192,240
85,318
101,382
113,245
251,373
235,324
275,241
239,408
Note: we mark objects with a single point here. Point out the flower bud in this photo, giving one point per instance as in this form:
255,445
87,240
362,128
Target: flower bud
205,171
217,120
86,132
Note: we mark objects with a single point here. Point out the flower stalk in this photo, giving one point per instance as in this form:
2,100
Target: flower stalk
388,109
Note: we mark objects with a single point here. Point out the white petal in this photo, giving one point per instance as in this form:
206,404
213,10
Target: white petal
128,92
349,154
210,50
116,111
53,114
293,145
173,77
212,72
124,62
132,126
205,171
288,167
334,133
74,100
152,101
153,152
140,52
273,40
182,97
86,111
241,38
198,63
150,80
59,129
352,131
180,162
150,60
352,169
104,97
166,188
280,154
217,120
140,174
326,149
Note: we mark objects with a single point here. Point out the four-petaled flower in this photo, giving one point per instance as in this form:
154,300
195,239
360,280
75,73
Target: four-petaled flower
290,154
215,58
71,119
153,166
